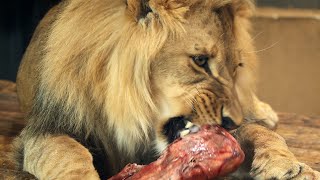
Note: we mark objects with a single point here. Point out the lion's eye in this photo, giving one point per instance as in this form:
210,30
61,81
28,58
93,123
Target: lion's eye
200,60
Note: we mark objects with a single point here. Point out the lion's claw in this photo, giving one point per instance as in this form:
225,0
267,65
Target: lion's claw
282,168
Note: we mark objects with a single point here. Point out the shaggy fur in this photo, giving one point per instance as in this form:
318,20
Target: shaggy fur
110,74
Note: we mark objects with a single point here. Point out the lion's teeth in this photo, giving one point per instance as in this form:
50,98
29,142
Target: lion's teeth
194,129
184,133
189,125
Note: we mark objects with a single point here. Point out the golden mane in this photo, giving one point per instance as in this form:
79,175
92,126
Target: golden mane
108,67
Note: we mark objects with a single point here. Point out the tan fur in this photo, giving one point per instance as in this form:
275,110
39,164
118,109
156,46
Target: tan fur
114,72
271,156
58,162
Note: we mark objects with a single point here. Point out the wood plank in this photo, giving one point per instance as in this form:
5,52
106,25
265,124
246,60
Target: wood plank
9,102
308,156
277,13
299,120
7,87
300,136
11,123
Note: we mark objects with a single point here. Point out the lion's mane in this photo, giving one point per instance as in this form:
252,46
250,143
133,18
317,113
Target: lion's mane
95,65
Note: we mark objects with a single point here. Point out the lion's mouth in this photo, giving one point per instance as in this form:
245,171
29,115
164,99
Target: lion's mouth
181,126
178,127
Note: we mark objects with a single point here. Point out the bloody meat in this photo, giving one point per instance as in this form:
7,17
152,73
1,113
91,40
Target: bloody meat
212,152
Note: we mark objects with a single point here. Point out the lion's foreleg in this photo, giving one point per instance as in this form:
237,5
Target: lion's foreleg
262,112
270,155
58,157
254,110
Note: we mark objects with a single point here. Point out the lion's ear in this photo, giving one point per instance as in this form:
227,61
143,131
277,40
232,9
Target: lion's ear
236,8
138,8
243,8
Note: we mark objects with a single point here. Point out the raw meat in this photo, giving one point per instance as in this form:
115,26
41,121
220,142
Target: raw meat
212,152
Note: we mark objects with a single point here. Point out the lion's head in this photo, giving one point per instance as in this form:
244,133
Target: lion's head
136,71
194,73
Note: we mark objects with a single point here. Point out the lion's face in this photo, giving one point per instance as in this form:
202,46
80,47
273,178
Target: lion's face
193,75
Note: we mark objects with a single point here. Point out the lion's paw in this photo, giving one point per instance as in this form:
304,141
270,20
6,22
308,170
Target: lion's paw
279,167
266,114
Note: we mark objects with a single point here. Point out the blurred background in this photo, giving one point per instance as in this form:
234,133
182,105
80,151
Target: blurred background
286,33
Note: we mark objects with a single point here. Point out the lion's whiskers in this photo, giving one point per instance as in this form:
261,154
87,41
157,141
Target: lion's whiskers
256,36
261,50
190,100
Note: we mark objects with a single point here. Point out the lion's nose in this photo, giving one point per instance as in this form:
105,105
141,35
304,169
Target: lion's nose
231,116
228,123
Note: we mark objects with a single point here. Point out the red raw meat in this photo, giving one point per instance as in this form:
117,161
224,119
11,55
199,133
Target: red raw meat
207,154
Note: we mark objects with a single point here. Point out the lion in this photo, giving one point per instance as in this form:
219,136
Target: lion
110,82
